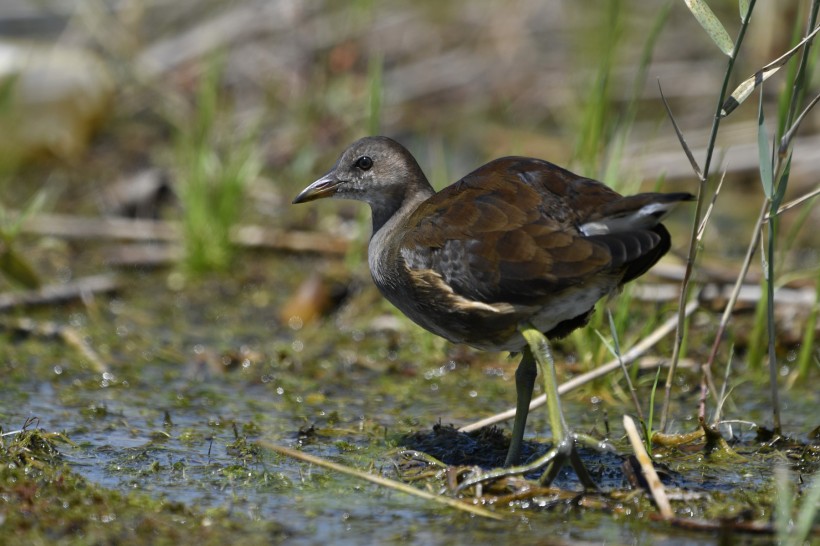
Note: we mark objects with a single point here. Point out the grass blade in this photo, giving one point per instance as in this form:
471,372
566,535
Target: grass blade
744,10
678,132
787,138
804,358
693,246
764,156
807,512
712,25
615,349
784,503
742,91
780,190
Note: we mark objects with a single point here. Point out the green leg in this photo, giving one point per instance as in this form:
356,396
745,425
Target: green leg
540,349
563,441
564,450
524,383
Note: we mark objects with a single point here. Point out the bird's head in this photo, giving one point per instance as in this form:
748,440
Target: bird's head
376,170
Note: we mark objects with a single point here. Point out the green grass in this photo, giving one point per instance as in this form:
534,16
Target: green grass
602,127
774,166
14,265
790,100
213,169
809,355
793,520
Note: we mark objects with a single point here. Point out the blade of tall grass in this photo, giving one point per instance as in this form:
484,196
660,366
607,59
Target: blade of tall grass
775,190
595,128
615,349
807,513
712,25
764,153
804,69
742,91
599,125
613,171
13,264
767,180
793,529
724,389
786,141
214,168
743,6
807,344
681,139
784,502
692,252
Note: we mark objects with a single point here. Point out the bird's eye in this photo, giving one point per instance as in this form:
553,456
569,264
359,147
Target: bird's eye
364,163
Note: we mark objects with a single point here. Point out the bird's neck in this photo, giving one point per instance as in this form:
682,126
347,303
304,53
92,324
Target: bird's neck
393,210
383,250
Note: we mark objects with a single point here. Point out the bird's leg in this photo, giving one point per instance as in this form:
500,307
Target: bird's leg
524,383
564,441
564,450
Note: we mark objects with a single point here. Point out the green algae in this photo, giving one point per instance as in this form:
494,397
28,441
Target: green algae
44,501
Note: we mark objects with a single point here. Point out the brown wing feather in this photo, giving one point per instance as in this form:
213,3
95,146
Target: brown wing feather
507,232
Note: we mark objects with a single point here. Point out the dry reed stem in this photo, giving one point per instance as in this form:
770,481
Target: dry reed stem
379,480
652,479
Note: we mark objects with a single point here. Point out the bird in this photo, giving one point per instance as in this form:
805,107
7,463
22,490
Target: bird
512,255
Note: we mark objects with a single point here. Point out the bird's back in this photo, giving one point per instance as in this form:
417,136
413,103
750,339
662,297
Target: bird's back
508,243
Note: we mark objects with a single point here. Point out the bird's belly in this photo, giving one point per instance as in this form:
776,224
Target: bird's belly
569,305
424,296
495,327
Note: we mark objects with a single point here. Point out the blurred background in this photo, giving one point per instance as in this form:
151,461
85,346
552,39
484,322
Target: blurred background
99,91
150,149
215,114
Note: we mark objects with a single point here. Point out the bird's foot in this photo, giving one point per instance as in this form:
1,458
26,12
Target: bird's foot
564,452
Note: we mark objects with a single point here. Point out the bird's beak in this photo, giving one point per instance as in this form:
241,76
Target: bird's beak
324,187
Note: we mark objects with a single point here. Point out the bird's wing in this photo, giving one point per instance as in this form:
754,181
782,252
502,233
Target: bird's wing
509,232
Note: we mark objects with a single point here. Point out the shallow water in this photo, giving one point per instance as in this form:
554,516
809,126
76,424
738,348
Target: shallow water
190,393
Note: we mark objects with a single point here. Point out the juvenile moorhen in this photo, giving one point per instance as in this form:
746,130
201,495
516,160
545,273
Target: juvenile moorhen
517,250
